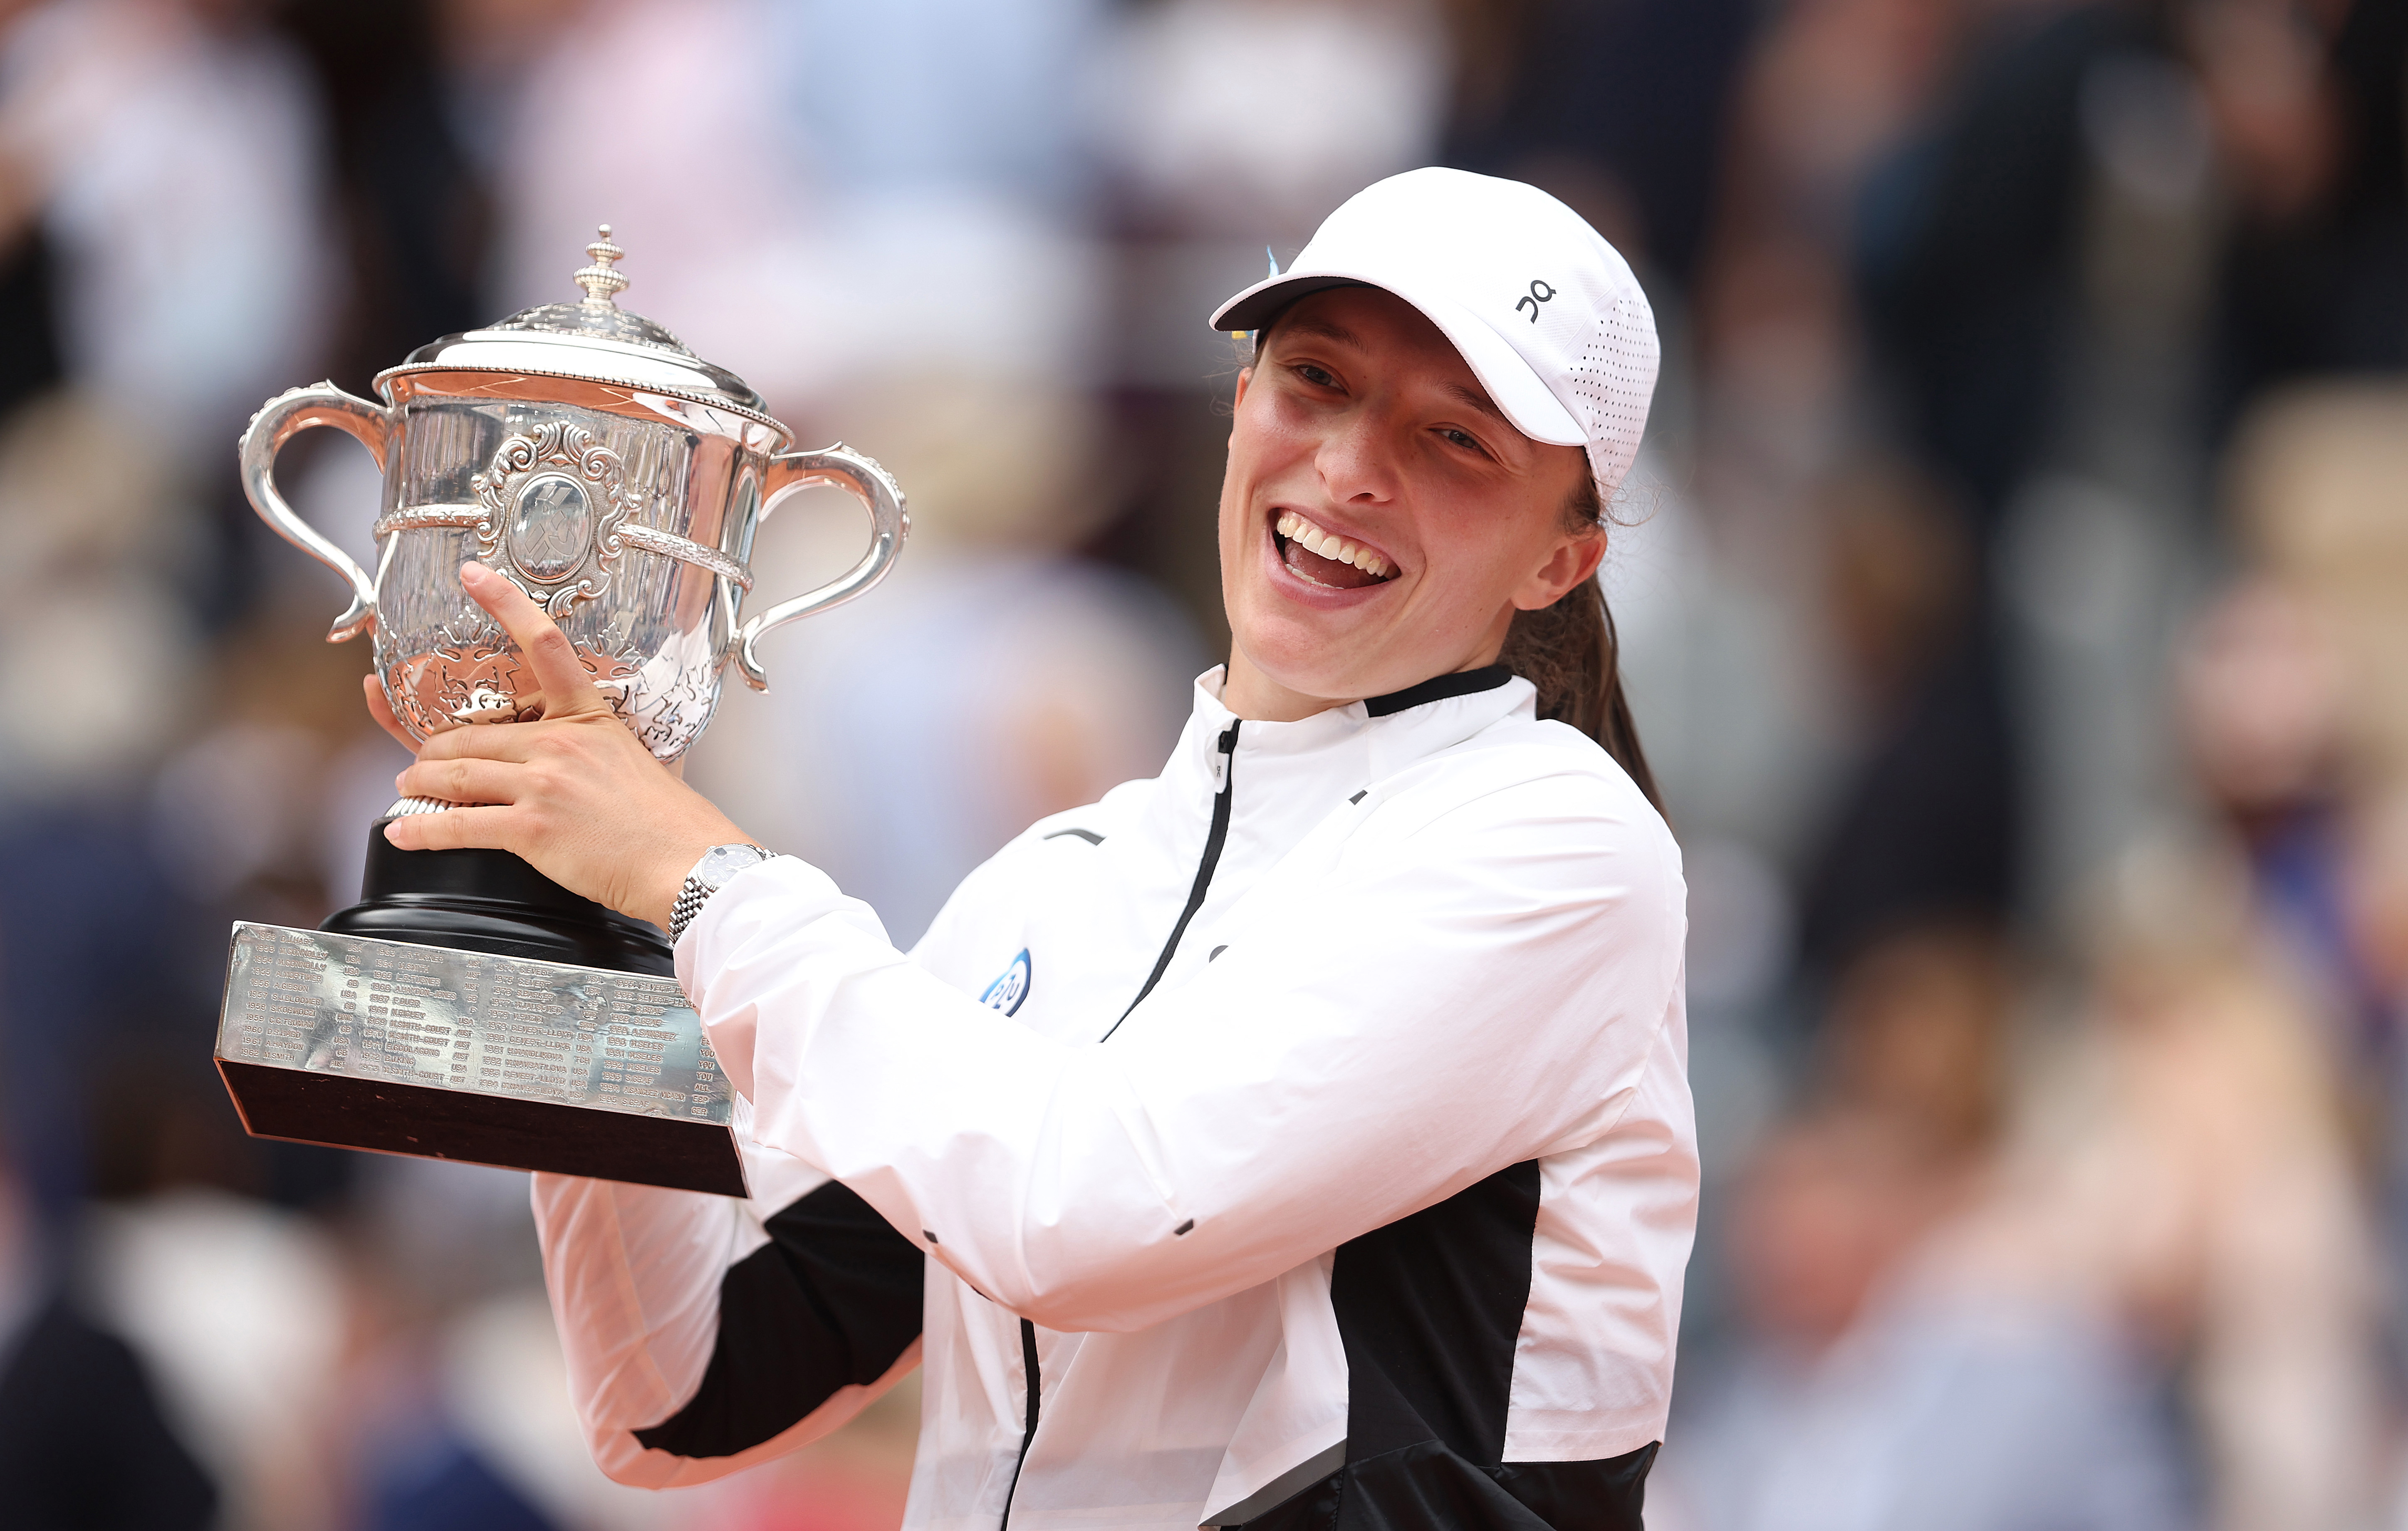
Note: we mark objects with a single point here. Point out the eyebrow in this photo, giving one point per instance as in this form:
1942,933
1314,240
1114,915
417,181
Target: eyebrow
1477,400
1327,330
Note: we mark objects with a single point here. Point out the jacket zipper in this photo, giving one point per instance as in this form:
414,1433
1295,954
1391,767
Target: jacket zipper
1214,840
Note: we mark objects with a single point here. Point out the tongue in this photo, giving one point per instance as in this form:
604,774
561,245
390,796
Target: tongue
1327,571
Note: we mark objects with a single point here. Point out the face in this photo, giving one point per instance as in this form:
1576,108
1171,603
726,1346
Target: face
1381,521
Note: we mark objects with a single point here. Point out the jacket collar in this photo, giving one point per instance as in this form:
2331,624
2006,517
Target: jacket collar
1365,739
1438,688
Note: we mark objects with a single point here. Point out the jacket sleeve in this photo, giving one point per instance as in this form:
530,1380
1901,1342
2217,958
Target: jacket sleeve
704,1333
1462,993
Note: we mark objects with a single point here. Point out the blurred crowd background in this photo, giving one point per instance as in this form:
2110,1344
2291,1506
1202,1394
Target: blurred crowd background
2013,593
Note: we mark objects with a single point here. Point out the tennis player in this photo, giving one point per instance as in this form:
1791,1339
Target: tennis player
1301,1138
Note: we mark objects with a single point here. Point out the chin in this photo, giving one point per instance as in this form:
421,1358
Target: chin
1312,656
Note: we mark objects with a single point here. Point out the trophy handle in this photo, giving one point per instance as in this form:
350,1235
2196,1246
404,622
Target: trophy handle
278,421
889,523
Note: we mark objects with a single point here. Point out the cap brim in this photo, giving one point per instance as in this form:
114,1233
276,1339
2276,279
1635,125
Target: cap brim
1511,383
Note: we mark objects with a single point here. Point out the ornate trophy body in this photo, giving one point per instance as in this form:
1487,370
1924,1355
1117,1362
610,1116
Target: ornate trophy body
468,1007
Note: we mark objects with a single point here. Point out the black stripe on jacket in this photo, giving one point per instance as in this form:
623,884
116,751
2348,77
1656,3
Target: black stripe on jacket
832,1300
1430,1309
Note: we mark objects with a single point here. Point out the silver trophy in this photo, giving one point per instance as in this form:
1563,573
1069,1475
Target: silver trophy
617,479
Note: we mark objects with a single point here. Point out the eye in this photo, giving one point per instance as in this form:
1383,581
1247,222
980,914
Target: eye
1315,376
1456,436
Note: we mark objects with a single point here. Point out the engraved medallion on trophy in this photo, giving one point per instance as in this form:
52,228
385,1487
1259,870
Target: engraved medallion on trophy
468,1007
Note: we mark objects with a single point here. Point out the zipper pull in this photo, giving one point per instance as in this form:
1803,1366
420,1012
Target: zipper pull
1227,745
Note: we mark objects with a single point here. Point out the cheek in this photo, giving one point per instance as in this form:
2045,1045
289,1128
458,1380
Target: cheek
1263,447
1474,570
1272,432
1523,543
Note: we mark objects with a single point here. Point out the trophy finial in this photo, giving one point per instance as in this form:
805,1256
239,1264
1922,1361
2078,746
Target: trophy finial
602,283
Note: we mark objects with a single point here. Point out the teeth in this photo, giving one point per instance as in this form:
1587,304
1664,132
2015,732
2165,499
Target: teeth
1332,545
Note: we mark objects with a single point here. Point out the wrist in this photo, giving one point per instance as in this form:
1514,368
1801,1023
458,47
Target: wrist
656,893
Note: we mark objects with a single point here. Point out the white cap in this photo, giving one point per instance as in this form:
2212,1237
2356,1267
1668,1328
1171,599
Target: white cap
1545,311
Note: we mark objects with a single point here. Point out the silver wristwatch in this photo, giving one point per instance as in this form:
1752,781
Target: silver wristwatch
710,875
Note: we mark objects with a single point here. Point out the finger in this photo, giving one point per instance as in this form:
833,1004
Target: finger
455,829
380,709
482,741
568,690
463,781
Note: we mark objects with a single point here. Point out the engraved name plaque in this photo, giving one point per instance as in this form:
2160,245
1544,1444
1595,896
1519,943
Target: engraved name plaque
445,1053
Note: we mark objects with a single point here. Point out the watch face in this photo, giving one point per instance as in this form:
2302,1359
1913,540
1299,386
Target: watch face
722,861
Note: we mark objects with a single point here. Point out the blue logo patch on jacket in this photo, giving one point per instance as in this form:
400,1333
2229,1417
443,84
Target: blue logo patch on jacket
1006,993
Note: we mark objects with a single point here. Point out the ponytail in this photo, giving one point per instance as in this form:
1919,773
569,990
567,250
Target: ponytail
1568,651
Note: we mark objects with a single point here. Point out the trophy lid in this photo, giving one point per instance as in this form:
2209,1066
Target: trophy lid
593,339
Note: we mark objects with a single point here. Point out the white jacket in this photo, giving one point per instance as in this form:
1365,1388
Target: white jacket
1302,1136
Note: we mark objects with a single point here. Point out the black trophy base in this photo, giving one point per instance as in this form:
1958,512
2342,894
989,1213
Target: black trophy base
493,901
379,1117
488,901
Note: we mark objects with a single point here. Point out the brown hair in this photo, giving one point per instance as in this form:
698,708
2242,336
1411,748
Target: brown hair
1570,651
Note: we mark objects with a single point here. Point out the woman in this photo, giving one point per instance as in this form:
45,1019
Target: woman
1331,1161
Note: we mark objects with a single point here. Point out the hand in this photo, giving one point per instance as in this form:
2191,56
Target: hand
576,793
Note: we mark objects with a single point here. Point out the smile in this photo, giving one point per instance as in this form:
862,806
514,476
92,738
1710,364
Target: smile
1325,559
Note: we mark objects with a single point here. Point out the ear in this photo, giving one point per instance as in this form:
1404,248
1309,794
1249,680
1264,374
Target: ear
1575,558
1245,376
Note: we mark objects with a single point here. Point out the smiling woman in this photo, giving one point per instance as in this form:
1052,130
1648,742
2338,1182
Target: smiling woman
1517,525
1362,426
1301,1138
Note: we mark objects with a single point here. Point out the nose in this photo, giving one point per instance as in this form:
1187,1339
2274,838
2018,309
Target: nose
1356,463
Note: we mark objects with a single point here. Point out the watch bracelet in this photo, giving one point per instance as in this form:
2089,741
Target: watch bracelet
695,892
